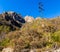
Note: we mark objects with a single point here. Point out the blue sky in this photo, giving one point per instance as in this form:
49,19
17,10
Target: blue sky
30,7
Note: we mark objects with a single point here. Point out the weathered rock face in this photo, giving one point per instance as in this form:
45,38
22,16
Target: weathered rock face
12,19
29,19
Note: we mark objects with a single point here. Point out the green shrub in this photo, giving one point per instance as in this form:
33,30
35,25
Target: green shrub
5,42
56,36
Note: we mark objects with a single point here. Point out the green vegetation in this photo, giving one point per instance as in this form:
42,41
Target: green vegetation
4,42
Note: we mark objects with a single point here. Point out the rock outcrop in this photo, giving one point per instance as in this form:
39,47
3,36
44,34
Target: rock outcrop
11,19
29,19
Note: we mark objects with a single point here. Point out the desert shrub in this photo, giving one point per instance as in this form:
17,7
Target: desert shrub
4,29
4,42
56,36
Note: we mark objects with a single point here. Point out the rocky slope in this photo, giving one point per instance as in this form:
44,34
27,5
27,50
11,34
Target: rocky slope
40,33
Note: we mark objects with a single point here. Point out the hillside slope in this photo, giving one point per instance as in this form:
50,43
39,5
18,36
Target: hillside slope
42,34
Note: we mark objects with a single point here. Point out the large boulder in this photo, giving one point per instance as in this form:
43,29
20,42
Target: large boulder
29,19
11,19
